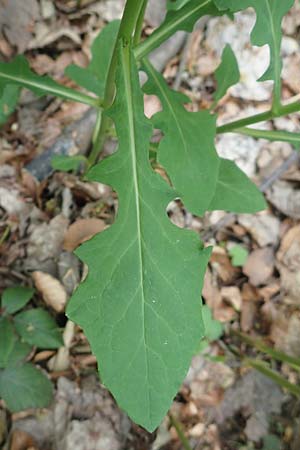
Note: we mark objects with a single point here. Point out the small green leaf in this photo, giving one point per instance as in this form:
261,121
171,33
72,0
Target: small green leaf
93,78
24,387
65,163
38,328
271,442
235,191
8,102
11,349
187,151
7,340
18,73
227,74
238,255
140,306
213,328
15,298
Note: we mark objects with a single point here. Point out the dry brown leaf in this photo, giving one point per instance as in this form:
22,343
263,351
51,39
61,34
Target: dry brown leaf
285,198
232,296
20,440
248,313
81,231
221,263
51,289
260,265
288,257
212,295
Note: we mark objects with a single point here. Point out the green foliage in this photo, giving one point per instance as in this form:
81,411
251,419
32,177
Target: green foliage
38,328
176,4
8,101
91,78
238,255
140,305
213,328
18,73
271,442
15,298
234,191
22,385
65,163
267,30
145,309
188,147
227,74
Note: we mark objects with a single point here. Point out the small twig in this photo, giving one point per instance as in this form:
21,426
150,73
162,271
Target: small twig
267,183
177,425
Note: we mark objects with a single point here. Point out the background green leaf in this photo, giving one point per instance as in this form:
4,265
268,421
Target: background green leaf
11,349
38,328
18,73
235,191
213,328
15,298
93,78
140,305
66,163
238,255
227,74
8,101
24,387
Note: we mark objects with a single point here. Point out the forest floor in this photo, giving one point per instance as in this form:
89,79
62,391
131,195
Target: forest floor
252,285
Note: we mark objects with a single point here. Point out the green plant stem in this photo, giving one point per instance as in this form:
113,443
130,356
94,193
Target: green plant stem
261,346
177,425
139,24
127,27
262,117
265,370
271,135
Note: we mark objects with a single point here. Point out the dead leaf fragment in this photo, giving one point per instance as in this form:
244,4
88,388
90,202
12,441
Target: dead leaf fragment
263,227
81,231
51,289
288,257
20,440
260,266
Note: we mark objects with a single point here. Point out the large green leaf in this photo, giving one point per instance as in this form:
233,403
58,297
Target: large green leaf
93,78
267,30
188,148
176,4
38,328
11,349
182,19
15,298
18,73
187,151
235,191
140,305
25,386
227,74
8,101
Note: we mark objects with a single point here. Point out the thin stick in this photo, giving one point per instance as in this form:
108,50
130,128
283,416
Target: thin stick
177,425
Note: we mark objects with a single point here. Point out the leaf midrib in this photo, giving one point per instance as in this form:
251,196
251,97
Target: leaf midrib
276,52
133,151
